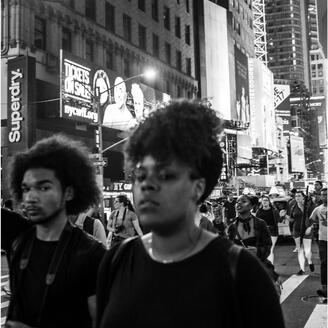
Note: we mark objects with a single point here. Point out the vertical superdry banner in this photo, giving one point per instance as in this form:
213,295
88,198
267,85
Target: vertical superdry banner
242,86
21,80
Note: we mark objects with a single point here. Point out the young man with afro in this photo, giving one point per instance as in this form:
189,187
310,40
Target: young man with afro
54,264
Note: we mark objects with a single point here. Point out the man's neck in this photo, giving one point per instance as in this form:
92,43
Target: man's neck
51,231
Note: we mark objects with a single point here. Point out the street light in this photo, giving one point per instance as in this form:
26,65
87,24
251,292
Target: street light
149,74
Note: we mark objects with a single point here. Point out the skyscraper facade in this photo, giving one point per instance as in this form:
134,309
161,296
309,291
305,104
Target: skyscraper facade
287,38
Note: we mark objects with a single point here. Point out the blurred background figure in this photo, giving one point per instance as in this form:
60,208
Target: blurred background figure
270,216
123,221
229,209
90,225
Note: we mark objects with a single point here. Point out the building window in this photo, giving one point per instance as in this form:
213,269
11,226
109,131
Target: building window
127,69
127,27
187,34
154,10
90,9
89,50
71,4
155,45
188,66
66,39
178,58
168,52
321,90
167,87
187,6
142,37
40,33
110,59
177,27
167,17
179,91
110,17
141,5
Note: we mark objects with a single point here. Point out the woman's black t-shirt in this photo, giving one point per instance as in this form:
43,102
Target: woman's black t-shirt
196,292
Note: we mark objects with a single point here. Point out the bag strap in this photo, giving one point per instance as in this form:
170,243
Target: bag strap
107,271
233,257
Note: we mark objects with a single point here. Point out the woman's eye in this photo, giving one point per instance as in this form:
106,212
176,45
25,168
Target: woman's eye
165,176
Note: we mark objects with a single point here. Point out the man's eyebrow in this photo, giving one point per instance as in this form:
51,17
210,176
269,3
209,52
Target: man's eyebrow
39,182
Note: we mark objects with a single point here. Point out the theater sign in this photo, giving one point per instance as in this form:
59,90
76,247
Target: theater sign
85,87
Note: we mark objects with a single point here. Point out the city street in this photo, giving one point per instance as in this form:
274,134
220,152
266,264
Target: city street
300,304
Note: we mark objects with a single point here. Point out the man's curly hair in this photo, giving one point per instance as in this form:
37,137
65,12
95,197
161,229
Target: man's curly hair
185,131
71,164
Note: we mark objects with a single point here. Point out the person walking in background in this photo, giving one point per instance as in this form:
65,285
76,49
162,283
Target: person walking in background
179,275
123,222
270,216
218,222
319,219
248,230
204,221
297,211
291,203
229,209
54,265
317,199
90,225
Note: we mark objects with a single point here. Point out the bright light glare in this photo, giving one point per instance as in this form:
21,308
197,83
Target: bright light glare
150,74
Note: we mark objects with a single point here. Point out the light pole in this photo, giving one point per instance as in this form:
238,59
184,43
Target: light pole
149,75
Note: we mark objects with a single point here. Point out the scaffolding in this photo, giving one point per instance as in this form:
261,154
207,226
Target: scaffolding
258,8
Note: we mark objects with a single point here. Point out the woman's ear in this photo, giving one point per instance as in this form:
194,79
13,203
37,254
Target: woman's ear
69,193
199,188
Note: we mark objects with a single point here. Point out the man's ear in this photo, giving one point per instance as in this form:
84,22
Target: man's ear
199,188
69,193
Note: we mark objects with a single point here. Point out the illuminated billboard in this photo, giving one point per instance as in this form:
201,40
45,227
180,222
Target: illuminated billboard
242,86
282,104
297,154
217,58
262,113
85,86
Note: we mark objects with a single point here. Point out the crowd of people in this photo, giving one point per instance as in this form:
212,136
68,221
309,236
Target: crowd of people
181,267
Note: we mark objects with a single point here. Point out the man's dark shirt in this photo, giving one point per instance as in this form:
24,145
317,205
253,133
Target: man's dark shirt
66,304
12,225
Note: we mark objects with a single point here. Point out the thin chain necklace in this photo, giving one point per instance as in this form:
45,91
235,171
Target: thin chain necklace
180,257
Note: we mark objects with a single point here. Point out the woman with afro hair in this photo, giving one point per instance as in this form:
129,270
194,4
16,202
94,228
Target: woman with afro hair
179,275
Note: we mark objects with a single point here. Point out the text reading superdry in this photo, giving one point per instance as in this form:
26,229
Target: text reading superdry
15,106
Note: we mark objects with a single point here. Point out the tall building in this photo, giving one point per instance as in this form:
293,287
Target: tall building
287,38
115,38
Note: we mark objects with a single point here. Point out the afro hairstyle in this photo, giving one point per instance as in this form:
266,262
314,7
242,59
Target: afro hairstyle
183,131
71,164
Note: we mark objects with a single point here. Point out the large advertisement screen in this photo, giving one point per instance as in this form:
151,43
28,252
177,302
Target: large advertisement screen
262,121
242,86
85,87
21,79
297,154
282,104
217,58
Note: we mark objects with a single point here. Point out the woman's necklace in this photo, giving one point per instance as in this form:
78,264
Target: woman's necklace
178,258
